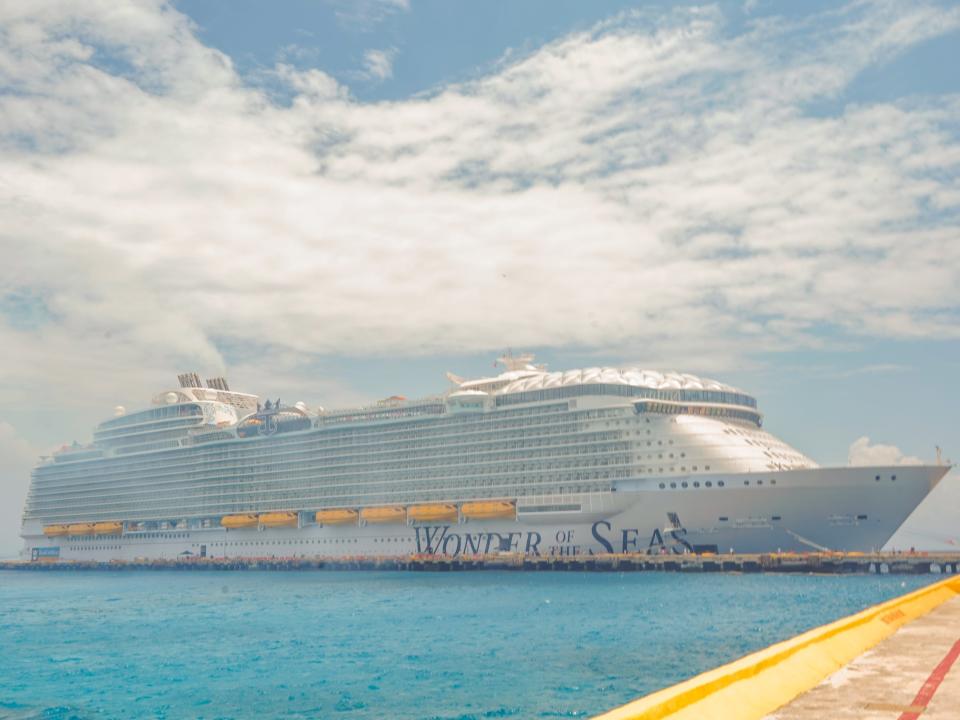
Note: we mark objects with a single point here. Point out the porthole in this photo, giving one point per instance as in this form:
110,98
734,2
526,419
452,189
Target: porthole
773,482
893,478
759,482
684,484
708,483
746,482
662,486
720,483
673,485
696,484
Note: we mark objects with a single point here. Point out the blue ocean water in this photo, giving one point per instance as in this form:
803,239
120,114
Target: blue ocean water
170,644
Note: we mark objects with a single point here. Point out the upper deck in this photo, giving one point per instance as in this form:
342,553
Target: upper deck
194,413
526,432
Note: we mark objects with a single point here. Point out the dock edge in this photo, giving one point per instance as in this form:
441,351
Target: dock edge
757,684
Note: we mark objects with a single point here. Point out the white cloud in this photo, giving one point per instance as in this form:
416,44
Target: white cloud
862,452
17,456
653,189
310,85
363,15
378,64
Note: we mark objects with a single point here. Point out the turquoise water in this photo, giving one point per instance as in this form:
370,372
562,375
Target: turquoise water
386,645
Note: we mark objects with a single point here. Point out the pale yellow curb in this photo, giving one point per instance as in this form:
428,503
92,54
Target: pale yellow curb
759,683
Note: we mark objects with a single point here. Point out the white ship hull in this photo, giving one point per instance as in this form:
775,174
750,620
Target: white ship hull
797,510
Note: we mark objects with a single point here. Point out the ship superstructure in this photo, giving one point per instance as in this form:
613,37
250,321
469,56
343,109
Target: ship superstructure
591,460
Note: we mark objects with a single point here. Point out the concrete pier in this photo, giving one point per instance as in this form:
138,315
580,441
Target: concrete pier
912,674
893,661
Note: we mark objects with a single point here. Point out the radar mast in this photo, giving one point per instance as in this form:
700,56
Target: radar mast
523,361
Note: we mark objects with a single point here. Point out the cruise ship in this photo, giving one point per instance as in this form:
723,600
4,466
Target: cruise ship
596,460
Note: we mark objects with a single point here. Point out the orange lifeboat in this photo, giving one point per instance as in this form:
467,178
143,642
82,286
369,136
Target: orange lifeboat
55,530
78,529
234,522
279,519
337,516
425,513
489,510
392,514
108,528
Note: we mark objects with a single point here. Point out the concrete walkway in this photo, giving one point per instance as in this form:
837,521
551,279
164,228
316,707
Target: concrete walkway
909,676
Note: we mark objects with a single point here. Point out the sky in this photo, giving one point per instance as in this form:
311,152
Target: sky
337,201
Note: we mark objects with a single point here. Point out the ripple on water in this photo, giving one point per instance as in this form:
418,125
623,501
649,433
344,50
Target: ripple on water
370,645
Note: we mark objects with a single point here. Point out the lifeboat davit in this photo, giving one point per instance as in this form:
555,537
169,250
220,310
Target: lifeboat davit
55,530
233,522
426,513
489,510
78,529
108,528
392,514
337,516
279,519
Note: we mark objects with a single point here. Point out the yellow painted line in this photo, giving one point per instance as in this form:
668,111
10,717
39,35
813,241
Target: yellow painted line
757,684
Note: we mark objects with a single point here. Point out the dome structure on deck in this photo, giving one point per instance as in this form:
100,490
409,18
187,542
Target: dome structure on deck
635,377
